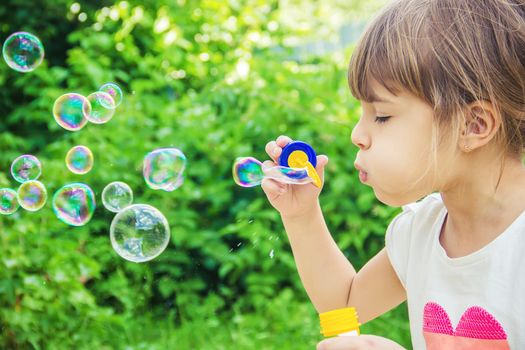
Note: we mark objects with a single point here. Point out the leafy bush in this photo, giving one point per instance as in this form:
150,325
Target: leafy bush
209,79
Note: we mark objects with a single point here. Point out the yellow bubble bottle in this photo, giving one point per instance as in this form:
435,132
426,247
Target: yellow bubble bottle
340,322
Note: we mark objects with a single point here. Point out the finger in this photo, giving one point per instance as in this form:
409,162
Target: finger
273,150
339,343
356,343
267,164
272,188
283,140
322,160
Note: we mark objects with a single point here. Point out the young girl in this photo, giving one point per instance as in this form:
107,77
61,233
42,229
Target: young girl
442,87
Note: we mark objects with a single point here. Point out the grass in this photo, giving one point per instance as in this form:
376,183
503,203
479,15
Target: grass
284,323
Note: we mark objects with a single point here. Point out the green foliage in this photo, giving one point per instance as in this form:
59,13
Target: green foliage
208,78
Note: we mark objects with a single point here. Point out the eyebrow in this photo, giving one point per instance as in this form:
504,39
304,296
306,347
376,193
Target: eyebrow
376,98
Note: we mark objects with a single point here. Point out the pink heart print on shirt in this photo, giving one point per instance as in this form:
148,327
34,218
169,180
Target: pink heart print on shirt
477,329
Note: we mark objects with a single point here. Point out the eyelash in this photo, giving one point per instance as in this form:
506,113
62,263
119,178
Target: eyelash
381,120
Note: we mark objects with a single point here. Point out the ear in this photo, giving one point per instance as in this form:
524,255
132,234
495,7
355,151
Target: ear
482,123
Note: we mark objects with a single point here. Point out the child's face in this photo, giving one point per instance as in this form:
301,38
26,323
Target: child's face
396,154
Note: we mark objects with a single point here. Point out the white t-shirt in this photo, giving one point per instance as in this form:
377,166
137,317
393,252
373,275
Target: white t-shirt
472,302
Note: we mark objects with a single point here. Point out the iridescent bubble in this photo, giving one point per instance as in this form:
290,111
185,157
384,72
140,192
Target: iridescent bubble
95,108
23,52
25,168
164,168
74,204
70,111
115,92
8,201
32,195
139,233
79,160
249,172
117,196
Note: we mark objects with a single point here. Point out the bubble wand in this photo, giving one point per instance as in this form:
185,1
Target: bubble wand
296,166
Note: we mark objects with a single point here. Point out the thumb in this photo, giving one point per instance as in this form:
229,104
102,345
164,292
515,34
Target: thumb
322,160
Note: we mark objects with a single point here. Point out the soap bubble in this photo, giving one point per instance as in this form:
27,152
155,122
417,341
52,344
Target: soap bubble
115,92
79,160
139,233
23,52
249,172
70,111
25,168
74,204
163,169
117,196
32,195
8,201
95,108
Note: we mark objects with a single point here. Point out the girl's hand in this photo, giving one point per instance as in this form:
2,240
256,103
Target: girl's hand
290,200
370,342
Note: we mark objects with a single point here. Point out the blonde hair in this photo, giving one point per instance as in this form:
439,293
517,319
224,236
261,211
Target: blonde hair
449,53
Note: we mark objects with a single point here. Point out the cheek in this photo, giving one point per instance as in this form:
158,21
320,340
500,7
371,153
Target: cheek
403,164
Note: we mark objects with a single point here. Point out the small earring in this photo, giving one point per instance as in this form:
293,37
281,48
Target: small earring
467,148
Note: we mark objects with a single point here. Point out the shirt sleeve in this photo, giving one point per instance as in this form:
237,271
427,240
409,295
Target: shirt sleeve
397,242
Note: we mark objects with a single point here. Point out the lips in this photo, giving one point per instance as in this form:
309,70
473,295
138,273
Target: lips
363,175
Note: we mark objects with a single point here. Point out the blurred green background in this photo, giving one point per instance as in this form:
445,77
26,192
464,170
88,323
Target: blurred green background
216,79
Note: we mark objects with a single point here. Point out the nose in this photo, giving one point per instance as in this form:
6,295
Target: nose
359,137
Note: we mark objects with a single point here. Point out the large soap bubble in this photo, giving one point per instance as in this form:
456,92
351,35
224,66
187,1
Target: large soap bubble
23,52
139,233
74,204
117,196
25,168
164,168
32,195
8,201
70,111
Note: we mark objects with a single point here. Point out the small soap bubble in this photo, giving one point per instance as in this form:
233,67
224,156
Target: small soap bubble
139,233
117,196
25,168
164,168
74,204
95,108
23,52
249,172
70,111
79,160
8,201
115,92
32,195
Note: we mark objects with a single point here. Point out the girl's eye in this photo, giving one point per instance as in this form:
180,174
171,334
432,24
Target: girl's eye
381,120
